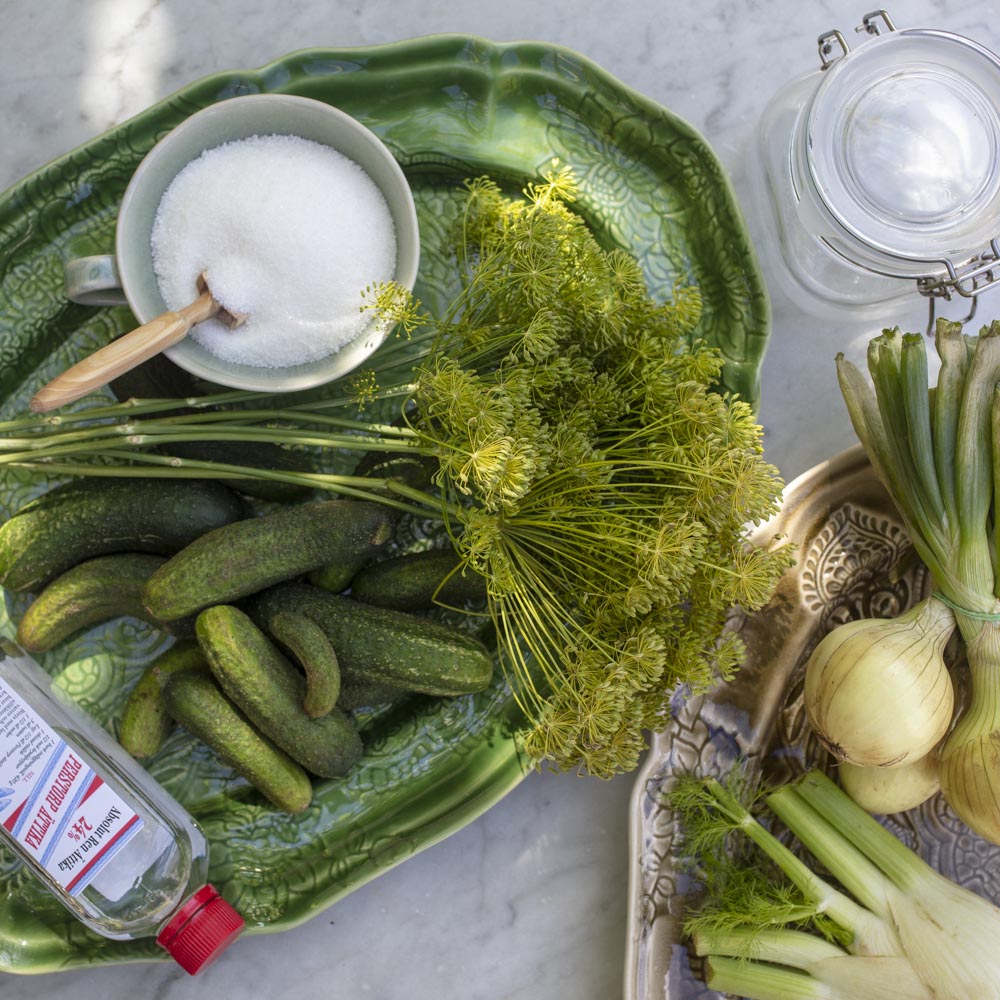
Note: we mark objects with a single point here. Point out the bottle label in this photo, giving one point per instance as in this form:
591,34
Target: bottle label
53,803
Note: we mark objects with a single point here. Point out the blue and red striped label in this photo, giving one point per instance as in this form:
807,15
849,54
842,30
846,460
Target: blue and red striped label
53,803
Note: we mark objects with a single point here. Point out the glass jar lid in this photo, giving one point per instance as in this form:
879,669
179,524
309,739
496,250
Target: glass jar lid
903,150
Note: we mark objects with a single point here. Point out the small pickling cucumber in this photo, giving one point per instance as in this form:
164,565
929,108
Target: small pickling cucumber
410,470
89,593
256,455
309,647
363,694
249,555
256,677
198,704
160,378
380,645
146,722
91,517
418,582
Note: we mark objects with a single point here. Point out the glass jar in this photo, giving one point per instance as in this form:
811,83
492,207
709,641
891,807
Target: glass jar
879,172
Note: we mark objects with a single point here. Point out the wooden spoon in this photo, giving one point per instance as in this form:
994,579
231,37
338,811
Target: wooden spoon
126,352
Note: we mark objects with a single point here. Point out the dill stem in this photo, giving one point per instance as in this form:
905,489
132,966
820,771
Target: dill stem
387,492
155,436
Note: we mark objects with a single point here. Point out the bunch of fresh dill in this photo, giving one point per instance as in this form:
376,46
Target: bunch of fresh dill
587,468
599,483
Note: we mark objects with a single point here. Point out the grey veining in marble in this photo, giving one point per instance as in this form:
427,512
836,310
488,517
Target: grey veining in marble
528,902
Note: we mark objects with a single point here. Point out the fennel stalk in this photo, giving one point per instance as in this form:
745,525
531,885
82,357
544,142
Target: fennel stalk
904,929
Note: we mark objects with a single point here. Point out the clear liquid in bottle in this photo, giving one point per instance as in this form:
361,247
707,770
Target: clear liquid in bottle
121,854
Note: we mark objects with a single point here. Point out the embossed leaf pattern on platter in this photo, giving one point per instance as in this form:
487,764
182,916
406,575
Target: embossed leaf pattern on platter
449,107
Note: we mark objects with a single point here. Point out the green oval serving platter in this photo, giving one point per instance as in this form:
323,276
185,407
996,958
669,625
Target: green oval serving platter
450,107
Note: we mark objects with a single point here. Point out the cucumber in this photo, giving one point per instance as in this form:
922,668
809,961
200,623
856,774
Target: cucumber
246,556
257,455
418,582
160,378
93,517
408,469
196,701
380,645
146,722
91,592
362,694
309,647
269,691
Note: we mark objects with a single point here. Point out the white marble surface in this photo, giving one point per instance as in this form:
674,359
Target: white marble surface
530,901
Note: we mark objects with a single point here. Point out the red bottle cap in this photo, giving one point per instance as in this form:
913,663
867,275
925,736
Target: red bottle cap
200,930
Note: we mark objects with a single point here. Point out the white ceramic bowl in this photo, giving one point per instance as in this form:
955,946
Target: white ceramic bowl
240,118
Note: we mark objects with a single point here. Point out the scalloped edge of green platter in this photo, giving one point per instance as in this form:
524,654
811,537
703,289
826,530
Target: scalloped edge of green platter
450,107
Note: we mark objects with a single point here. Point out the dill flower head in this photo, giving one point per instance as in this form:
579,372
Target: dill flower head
603,487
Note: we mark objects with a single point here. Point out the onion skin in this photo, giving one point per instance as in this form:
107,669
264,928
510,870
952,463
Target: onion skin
878,692
886,790
970,759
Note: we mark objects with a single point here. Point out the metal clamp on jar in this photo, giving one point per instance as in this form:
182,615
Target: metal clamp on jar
881,170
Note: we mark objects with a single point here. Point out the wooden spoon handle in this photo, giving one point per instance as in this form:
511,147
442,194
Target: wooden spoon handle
123,354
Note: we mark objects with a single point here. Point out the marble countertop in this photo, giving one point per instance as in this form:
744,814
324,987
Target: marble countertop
529,901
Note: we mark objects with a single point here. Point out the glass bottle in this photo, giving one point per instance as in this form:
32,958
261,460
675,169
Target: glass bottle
879,171
120,853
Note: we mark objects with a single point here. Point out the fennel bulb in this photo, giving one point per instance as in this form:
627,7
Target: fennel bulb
896,913
948,932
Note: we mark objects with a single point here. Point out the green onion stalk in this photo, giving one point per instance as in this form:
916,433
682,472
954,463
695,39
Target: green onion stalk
894,928
937,451
584,464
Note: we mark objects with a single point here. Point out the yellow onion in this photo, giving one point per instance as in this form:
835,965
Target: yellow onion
878,692
885,790
970,759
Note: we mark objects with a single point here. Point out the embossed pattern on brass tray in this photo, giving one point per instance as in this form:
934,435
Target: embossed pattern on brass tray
854,561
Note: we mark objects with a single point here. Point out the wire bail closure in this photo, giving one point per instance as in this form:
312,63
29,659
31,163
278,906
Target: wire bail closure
968,278
869,25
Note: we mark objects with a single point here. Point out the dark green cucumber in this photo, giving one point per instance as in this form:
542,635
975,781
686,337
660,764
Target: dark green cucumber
309,647
246,556
411,470
160,378
197,702
89,593
418,582
256,455
269,691
92,517
405,651
362,694
146,722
